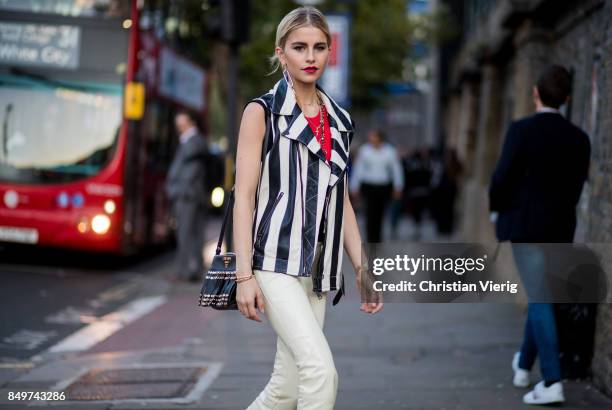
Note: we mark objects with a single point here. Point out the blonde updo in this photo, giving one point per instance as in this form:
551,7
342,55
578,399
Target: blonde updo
301,17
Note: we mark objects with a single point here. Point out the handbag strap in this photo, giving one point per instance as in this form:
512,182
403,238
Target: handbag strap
230,202
230,205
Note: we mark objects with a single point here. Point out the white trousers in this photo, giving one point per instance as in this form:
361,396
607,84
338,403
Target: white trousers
304,375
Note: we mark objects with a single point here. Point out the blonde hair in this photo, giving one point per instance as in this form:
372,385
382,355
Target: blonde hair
305,16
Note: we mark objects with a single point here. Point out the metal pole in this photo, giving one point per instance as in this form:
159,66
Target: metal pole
232,97
132,64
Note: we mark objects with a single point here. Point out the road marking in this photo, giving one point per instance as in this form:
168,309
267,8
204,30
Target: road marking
26,339
104,327
17,365
71,315
117,292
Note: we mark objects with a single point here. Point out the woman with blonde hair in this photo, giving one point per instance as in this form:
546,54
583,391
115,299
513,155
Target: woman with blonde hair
292,214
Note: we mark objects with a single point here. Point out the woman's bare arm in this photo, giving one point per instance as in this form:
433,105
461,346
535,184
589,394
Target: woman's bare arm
250,141
352,237
352,245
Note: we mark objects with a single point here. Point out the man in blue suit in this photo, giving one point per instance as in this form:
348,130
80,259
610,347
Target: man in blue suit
535,189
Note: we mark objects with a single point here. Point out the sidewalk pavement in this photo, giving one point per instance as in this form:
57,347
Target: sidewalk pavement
409,356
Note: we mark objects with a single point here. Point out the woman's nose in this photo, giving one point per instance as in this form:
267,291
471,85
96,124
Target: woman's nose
310,55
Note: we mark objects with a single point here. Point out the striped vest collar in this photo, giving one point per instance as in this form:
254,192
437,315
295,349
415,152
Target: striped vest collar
284,103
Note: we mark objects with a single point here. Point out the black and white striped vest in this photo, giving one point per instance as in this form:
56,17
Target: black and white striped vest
283,240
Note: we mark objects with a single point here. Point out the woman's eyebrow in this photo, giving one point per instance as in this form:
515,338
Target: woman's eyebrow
301,43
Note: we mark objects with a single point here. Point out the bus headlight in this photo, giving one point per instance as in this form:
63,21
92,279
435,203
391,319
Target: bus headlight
110,206
217,196
100,224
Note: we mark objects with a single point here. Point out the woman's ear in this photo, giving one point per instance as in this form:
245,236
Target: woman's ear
281,55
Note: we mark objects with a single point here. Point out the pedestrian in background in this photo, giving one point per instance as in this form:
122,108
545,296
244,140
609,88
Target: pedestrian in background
535,189
417,169
377,178
292,215
445,182
185,189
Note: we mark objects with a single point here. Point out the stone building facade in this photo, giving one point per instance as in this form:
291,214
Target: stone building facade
504,45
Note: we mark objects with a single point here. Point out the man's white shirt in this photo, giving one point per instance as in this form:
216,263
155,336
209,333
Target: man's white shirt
377,166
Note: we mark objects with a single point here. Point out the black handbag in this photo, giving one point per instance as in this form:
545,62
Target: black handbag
219,287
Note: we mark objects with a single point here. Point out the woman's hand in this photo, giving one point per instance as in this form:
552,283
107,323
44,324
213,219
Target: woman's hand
369,307
249,298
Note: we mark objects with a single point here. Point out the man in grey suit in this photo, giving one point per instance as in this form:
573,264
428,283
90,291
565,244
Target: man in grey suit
185,188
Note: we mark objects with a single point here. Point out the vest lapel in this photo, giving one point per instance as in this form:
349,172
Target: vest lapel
341,129
284,103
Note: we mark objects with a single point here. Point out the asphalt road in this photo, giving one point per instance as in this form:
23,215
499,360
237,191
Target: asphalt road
46,294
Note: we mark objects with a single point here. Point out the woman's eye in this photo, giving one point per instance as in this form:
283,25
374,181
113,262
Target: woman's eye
298,48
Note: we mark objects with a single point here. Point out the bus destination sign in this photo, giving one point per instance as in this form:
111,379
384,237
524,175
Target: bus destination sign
39,45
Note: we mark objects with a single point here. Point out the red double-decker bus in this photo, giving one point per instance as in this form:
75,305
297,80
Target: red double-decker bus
86,106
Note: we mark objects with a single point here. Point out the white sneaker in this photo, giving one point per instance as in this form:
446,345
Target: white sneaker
521,376
545,395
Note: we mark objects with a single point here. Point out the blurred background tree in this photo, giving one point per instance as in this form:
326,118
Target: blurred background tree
381,39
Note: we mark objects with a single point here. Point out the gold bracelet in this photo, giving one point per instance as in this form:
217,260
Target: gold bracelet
244,278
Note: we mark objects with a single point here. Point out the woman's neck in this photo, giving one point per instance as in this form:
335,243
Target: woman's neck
306,94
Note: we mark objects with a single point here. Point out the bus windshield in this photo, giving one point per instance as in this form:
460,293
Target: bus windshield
56,131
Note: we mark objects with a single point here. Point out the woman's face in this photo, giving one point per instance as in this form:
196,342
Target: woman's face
305,54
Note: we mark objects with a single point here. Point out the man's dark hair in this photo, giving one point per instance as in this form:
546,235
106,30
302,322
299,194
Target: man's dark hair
189,114
554,86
